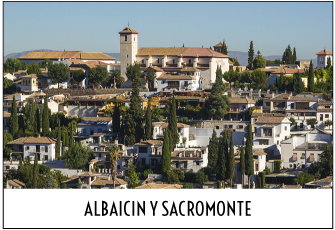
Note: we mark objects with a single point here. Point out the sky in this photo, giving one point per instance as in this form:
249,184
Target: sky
94,26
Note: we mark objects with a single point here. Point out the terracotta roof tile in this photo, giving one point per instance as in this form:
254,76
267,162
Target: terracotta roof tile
161,51
159,186
165,124
325,110
324,52
150,142
32,140
203,52
176,77
128,30
65,54
238,100
289,71
96,119
103,181
270,120
324,102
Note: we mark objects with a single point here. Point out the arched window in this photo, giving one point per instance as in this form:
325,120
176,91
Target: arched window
189,61
125,38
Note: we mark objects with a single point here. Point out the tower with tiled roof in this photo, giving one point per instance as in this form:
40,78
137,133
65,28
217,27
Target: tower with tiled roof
128,48
323,58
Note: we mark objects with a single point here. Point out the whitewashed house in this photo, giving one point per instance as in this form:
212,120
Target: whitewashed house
45,147
302,151
149,152
189,158
14,184
91,125
9,76
29,82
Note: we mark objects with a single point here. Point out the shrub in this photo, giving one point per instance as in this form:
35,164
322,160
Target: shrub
277,166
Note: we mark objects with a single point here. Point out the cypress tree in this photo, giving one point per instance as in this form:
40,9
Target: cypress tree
116,119
251,55
298,84
134,129
294,57
249,162
58,141
242,164
277,84
13,120
311,77
35,172
71,137
281,82
45,121
231,161
148,123
213,148
224,49
38,121
221,175
166,154
172,124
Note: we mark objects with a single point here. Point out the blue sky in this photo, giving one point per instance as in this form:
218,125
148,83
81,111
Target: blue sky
94,26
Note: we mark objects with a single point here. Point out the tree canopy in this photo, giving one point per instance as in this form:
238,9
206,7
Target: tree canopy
98,75
259,62
58,73
77,156
34,68
12,65
79,76
251,55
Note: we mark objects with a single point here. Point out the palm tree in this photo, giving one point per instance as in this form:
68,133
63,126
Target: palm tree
114,156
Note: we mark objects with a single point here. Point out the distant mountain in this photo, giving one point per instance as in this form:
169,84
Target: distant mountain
16,55
114,55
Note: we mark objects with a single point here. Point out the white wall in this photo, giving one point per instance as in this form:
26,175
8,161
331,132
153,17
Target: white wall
32,150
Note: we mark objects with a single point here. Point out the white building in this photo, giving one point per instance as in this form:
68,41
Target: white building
170,59
29,83
45,147
301,151
9,76
149,152
189,159
91,125
323,58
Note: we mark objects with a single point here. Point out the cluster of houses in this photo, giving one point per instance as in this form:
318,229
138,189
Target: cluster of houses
184,72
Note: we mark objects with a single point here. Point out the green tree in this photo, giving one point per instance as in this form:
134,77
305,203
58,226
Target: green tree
311,78
261,179
312,122
45,63
293,122
7,137
230,160
221,175
218,104
298,84
224,49
249,162
148,123
231,76
251,55
259,62
8,87
13,120
294,57
114,156
12,65
146,173
259,77
116,118
276,167
78,76
51,183
97,75
35,172
34,68
246,77
58,73
133,72
287,56
71,136
329,123
120,80
134,182
166,153
242,164
113,77
236,63
201,177
45,118
77,156
329,63
58,144
327,161
188,186
150,76
172,124
213,149
303,178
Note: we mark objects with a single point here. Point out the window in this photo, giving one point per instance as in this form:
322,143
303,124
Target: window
267,132
285,128
127,64
290,165
99,130
326,115
267,103
277,142
197,163
134,38
294,157
173,83
142,61
301,125
173,61
83,131
321,117
240,126
118,167
311,157
189,61
127,55
217,127
142,149
243,106
27,148
158,60
226,126
230,126
125,38
263,142
319,157
143,161
46,149
46,157
257,169
292,105
99,155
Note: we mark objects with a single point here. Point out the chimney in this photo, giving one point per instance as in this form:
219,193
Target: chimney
291,93
38,135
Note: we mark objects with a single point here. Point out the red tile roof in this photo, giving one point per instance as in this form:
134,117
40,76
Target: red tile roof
203,52
324,52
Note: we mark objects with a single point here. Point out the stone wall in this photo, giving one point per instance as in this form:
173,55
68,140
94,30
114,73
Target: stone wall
85,92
